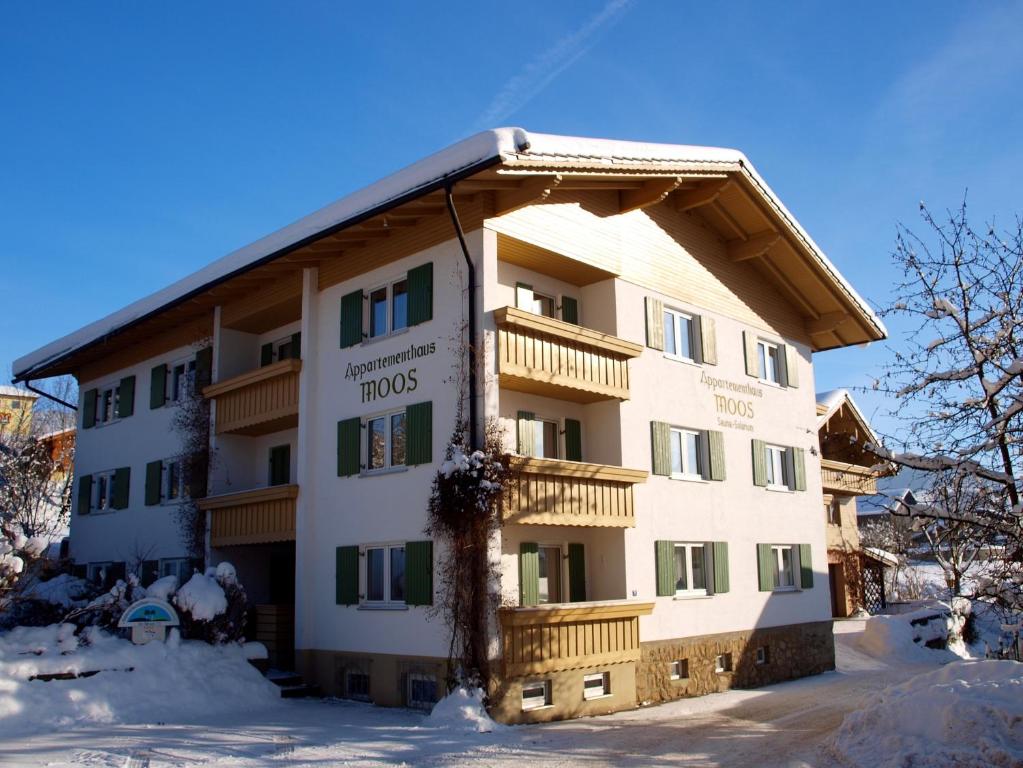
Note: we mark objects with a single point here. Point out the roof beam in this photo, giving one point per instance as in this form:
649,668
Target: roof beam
534,190
651,193
705,194
753,247
826,323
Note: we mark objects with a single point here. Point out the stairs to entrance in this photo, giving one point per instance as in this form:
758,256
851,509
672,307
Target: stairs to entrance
293,686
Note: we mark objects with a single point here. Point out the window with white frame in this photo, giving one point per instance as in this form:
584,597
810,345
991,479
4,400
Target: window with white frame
690,569
679,335
284,349
388,308
179,567
723,663
550,587
679,669
421,690
107,400
769,357
783,566
777,467
834,511
102,491
385,441
173,481
181,380
596,685
545,438
763,656
686,454
544,305
385,574
536,694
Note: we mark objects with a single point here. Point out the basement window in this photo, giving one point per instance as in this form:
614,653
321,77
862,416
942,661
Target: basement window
422,691
763,655
536,695
357,686
596,685
679,670
723,663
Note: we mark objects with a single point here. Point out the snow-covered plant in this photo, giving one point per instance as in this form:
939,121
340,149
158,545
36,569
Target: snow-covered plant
192,424
212,606
105,610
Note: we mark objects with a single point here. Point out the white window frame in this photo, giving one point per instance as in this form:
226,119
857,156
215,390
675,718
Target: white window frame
389,322
389,464
689,547
676,317
777,558
94,572
275,347
180,389
591,692
538,422
102,481
762,657
180,567
108,399
773,468
723,663
539,296
388,599
680,434
834,510
678,669
764,348
537,702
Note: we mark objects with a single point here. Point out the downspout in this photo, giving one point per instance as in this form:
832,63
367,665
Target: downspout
473,427
48,396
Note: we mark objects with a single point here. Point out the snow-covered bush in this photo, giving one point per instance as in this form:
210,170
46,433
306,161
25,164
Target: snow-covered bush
105,610
212,606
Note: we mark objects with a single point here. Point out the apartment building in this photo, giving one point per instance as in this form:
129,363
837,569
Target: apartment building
645,318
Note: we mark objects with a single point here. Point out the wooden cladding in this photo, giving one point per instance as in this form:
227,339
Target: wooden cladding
543,639
553,492
252,517
258,402
839,477
544,356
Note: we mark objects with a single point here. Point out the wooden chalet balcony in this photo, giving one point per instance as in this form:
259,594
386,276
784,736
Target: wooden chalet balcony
549,638
554,492
260,516
544,356
837,476
258,402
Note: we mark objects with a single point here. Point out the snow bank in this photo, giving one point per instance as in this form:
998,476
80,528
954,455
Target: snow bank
182,681
202,597
967,713
462,710
64,590
897,638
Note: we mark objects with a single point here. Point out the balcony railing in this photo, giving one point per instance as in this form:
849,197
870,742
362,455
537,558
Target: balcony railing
553,492
261,516
544,356
847,478
549,638
258,402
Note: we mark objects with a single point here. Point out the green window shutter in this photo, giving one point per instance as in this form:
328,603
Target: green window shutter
660,441
716,454
346,575
349,438
203,368
266,355
526,437
529,573
805,567
158,386
765,567
84,494
799,468
664,561
89,408
719,554
122,481
149,572
154,479
759,463
420,294
419,433
296,346
708,340
126,397
524,296
573,440
570,310
654,323
419,573
351,319
280,465
749,346
791,366
576,573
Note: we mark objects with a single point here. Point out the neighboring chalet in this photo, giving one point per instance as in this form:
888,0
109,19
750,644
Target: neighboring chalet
646,318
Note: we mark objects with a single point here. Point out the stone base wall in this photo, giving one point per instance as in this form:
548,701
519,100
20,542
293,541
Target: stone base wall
388,674
791,651
567,699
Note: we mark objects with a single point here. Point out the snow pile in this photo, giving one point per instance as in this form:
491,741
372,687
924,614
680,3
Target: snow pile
180,681
202,596
898,638
162,589
462,710
64,590
967,713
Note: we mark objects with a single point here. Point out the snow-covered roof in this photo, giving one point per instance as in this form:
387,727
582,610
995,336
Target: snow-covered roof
881,556
7,391
512,146
832,400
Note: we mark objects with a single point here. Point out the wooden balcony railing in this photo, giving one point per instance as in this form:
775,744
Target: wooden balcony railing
258,402
553,492
549,638
837,476
544,356
252,517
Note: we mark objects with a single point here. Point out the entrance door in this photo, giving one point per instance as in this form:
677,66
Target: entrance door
835,581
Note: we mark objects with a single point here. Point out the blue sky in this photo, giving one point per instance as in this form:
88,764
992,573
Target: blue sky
141,141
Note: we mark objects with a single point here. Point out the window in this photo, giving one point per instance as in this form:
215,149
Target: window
181,567
385,574
107,401
97,572
388,309
762,655
385,441
545,439
287,348
16,404
769,359
686,455
596,685
690,569
536,695
280,465
102,491
777,468
173,480
422,691
544,305
550,575
679,670
357,685
182,380
783,563
678,335
834,511
723,663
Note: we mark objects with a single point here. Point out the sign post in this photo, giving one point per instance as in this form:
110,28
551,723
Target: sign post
149,619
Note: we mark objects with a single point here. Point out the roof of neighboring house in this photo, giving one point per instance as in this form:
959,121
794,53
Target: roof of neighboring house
7,391
509,147
885,558
884,502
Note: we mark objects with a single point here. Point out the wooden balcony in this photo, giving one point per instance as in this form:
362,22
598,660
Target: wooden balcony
553,492
839,477
544,356
261,516
549,638
258,402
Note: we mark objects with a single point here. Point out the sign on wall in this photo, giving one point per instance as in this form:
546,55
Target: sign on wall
376,382
735,402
